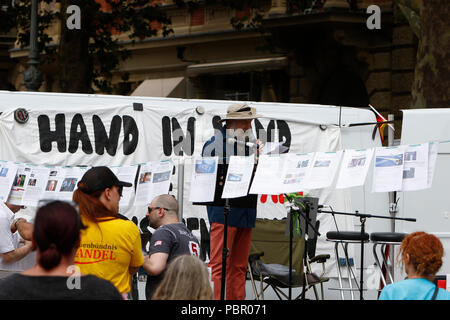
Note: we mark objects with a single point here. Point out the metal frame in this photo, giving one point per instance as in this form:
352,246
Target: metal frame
384,262
351,271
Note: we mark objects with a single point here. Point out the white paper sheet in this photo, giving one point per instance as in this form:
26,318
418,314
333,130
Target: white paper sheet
323,171
267,178
203,179
127,174
415,168
154,179
144,184
388,169
432,156
35,185
273,148
238,178
18,187
55,177
8,172
67,182
295,171
161,178
354,167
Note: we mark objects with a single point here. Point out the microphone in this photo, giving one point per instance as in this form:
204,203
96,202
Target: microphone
243,143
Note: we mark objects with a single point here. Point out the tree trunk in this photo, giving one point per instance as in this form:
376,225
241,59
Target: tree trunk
75,65
432,73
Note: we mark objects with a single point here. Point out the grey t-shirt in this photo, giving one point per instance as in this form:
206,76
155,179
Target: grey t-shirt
174,239
22,287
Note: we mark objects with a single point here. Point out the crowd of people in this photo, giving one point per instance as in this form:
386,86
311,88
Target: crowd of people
86,250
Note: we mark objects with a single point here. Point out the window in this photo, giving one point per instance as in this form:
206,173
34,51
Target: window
198,17
236,95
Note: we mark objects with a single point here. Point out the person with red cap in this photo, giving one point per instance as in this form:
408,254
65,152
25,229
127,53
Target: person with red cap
110,247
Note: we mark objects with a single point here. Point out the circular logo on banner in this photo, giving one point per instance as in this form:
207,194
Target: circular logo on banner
21,115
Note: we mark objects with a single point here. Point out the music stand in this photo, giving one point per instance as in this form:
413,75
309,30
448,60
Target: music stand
249,202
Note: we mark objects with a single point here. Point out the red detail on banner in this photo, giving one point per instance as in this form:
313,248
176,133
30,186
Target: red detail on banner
263,198
276,198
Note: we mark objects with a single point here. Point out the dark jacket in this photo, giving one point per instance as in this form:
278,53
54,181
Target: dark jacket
242,216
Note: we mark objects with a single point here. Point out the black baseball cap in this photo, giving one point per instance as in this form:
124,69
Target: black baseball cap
100,178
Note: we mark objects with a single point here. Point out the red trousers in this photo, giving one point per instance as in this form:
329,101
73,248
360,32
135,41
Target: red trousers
238,244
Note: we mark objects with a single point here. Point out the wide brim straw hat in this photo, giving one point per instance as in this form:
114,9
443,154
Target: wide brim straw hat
241,112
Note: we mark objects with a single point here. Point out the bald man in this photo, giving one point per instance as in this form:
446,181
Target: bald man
170,239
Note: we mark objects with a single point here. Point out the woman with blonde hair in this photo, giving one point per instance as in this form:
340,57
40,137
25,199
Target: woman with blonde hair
421,256
186,278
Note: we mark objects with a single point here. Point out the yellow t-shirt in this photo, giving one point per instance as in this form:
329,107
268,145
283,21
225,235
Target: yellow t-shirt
108,249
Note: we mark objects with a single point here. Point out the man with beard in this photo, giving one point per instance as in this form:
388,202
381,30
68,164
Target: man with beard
231,141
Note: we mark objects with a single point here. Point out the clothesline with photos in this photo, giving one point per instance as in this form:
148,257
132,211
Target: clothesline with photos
26,184
398,168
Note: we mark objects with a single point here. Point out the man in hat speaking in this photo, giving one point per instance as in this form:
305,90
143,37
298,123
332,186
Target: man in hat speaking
235,138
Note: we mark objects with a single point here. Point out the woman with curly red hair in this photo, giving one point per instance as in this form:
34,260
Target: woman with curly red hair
421,255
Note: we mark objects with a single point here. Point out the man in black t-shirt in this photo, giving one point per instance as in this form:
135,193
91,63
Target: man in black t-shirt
170,239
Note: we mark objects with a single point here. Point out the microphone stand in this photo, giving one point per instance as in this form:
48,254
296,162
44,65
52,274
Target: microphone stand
226,212
362,218
225,250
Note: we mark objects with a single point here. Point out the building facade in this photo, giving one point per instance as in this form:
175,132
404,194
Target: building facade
324,54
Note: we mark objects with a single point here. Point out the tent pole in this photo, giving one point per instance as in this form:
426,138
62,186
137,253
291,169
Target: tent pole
392,198
180,188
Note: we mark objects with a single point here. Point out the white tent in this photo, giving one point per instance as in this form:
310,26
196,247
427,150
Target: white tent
146,133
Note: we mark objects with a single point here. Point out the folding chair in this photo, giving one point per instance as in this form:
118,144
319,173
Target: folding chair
269,260
313,258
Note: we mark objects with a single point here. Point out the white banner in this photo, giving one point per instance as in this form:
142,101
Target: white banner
119,135
89,135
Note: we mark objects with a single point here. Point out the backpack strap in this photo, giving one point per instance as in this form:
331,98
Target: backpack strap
436,289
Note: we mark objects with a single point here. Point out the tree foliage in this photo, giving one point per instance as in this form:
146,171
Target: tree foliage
86,59
95,42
